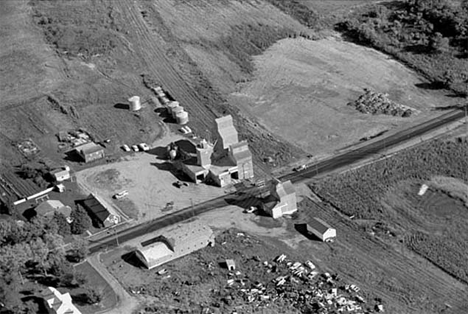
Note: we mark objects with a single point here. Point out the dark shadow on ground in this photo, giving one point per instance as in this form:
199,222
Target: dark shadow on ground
302,229
122,106
164,114
168,166
431,86
160,152
132,259
452,107
73,156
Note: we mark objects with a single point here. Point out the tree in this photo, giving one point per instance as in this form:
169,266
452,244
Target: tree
63,227
81,221
92,296
439,43
79,250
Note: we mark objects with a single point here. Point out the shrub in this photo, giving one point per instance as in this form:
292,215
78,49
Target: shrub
81,221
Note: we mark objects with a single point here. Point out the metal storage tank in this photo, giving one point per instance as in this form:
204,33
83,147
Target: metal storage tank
176,110
171,106
182,117
135,104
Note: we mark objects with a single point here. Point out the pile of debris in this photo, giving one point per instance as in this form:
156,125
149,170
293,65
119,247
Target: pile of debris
378,103
298,285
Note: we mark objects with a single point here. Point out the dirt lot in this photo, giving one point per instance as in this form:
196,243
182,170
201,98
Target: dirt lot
148,179
301,89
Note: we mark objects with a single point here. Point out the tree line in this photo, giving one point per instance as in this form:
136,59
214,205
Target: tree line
429,35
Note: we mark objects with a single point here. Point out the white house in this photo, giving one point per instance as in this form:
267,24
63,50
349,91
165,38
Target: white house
57,303
321,229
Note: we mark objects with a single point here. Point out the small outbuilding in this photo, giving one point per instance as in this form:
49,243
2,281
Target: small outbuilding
61,174
90,152
230,264
321,229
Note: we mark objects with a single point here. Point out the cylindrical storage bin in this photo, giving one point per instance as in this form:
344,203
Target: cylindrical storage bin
135,104
176,110
171,106
182,117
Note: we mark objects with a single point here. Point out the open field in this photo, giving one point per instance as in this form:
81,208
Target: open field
301,88
384,195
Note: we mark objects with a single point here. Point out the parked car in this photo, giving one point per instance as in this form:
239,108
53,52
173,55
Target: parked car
135,148
251,209
144,147
126,148
121,194
180,184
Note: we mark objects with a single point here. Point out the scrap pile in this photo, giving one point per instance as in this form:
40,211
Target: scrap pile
378,103
298,285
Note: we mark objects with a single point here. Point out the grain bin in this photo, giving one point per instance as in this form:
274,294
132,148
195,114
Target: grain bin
135,104
182,117
171,106
176,110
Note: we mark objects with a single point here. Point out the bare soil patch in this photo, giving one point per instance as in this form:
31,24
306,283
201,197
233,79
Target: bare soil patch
149,182
301,89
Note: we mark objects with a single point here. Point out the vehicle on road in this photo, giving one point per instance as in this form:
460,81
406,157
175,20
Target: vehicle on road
121,194
300,168
144,147
135,148
126,148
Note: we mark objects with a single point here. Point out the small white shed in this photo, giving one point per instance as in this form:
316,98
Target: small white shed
321,229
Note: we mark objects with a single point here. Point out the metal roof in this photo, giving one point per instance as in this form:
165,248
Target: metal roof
318,225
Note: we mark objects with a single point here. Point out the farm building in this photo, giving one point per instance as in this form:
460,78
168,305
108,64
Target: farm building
49,207
61,174
104,214
174,242
90,152
226,131
233,159
321,229
281,201
58,303
242,157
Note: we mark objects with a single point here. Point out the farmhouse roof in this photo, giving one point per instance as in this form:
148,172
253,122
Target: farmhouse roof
50,206
59,303
98,207
89,148
319,225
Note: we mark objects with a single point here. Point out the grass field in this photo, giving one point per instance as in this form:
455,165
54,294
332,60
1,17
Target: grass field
384,194
301,87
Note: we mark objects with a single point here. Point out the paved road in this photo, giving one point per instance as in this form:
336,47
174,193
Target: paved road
373,148
313,170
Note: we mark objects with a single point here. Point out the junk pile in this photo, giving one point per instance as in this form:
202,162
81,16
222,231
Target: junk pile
377,103
298,285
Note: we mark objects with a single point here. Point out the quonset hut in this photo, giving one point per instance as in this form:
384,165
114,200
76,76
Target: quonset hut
174,242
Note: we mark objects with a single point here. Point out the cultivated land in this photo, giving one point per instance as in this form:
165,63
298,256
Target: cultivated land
301,87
